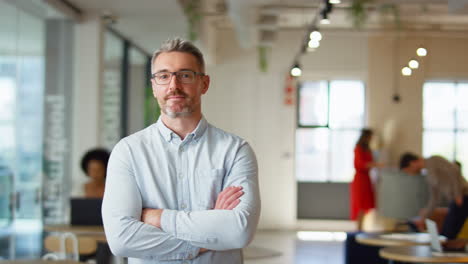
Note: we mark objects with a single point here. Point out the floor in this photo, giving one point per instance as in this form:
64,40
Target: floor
286,247
268,247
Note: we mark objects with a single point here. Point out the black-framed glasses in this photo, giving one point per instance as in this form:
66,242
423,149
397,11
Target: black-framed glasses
184,76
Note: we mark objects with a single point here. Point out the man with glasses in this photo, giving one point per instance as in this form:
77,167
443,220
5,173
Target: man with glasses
181,189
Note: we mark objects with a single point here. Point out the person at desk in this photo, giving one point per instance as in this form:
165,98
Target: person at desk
181,189
446,181
403,193
94,165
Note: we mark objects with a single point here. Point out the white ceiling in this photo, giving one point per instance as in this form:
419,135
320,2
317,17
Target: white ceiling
149,22
146,23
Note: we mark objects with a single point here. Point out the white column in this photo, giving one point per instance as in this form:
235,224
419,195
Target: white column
89,36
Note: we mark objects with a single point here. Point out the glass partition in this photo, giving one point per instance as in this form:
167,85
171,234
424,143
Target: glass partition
112,90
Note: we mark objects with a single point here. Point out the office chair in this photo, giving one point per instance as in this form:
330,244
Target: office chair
65,244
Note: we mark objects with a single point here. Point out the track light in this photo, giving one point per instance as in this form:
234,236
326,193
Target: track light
421,52
335,2
324,13
315,35
314,44
406,71
413,64
296,70
325,20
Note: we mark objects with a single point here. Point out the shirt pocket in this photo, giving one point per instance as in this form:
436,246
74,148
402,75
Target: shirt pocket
208,184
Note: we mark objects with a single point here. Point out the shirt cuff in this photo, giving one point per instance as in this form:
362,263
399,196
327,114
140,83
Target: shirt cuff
168,221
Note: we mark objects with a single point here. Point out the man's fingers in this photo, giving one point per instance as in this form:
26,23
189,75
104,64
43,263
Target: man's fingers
222,196
227,196
233,197
233,204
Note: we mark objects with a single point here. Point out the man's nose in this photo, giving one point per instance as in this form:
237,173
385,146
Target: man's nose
174,83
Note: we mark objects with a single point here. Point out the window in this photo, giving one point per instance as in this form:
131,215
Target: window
445,121
330,117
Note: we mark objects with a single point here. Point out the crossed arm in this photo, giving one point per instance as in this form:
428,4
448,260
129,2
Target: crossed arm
228,199
166,234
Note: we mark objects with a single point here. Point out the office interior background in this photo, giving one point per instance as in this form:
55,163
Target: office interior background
74,75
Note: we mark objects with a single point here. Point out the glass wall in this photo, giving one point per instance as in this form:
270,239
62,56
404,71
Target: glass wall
126,106
21,109
138,85
112,90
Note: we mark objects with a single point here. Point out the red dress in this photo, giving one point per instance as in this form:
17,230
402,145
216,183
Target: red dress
362,192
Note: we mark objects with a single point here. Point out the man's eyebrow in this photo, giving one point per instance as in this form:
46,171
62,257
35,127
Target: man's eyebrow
163,70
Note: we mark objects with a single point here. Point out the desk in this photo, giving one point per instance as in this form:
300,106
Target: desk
417,254
96,232
393,239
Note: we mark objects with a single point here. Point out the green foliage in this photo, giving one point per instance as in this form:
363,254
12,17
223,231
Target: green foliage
152,110
192,11
262,58
358,12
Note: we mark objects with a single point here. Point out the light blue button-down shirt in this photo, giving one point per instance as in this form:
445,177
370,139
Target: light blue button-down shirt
154,168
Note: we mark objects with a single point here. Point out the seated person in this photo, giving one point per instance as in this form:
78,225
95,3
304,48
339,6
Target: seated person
446,182
401,194
94,165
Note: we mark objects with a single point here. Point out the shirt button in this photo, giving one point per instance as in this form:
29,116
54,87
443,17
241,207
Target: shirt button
183,206
181,176
190,256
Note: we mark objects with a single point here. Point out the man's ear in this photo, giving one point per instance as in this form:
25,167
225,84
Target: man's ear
206,84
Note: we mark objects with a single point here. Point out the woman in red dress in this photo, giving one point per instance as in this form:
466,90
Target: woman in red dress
362,191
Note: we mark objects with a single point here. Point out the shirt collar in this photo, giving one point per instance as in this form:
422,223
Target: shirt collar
168,134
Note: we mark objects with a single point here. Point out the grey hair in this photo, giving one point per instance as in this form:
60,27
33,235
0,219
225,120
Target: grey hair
179,45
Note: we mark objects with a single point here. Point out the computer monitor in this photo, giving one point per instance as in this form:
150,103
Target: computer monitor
86,211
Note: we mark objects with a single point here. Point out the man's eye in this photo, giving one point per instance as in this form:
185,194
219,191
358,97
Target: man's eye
185,75
163,76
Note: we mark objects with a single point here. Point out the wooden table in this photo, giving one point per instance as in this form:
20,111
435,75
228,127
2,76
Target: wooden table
393,239
417,254
96,232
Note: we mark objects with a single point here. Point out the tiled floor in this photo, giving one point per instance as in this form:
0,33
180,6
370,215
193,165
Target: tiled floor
294,250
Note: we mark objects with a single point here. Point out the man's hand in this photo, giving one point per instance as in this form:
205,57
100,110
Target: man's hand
151,216
228,199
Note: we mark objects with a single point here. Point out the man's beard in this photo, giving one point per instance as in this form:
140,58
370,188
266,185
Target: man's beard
187,110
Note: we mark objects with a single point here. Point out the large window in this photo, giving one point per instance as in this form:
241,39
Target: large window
330,117
445,121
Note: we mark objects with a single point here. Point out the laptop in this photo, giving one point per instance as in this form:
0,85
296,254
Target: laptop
436,245
86,211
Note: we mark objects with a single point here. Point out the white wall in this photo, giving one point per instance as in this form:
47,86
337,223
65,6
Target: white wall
249,103
388,53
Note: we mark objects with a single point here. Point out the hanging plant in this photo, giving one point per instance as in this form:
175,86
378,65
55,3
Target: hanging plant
262,58
192,11
358,12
